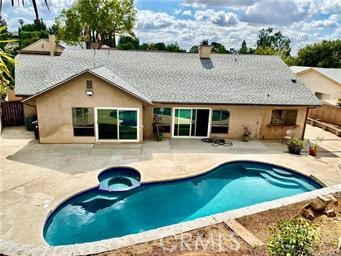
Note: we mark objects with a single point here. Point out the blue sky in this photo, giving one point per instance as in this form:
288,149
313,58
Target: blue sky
227,21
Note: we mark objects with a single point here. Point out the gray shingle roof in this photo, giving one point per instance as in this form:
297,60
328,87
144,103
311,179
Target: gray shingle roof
173,77
110,77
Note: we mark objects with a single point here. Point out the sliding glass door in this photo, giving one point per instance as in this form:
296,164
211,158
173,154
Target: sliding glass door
182,124
128,124
117,124
191,122
107,124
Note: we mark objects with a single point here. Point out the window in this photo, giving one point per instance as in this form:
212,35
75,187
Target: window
220,121
162,117
83,121
284,116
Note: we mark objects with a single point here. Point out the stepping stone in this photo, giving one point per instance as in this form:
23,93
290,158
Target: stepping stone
244,233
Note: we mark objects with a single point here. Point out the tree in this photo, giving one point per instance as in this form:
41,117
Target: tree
243,48
70,29
6,62
128,43
29,33
174,47
34,3
97,21
218,48
194,49
37,25
277,42
325,54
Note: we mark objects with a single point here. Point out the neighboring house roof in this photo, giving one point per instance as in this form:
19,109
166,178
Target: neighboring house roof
106,75
28,47
332,73
174,77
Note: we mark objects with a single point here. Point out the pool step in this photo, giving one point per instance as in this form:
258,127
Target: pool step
282,172
283,179
274,174
244,233
278,182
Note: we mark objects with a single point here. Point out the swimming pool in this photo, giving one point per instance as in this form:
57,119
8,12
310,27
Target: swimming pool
96,215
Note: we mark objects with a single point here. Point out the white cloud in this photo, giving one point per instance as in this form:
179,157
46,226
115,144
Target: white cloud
177,11
272,12
219,18
315,7
187,13
149,20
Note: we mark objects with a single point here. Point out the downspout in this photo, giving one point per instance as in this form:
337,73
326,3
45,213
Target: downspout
305,123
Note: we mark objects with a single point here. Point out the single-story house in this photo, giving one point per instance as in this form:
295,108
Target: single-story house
325,83
90,96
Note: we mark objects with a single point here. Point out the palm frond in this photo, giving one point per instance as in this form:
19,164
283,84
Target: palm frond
8,57
3,28
8,40
47,4
34,3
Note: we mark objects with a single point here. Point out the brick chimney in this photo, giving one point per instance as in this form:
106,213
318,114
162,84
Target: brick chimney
205,50
52,44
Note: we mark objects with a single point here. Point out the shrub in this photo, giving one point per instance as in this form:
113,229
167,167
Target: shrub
297,237
295,146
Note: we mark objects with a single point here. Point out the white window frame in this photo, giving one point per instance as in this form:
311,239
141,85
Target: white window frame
118,124
191,108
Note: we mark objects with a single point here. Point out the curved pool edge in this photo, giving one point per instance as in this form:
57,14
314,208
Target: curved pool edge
56,205
11,248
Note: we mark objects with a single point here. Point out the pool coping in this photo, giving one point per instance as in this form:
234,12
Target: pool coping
14,248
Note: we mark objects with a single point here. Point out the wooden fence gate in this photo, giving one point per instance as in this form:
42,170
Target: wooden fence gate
12,113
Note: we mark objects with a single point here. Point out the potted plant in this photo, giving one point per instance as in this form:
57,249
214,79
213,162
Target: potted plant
295,146
159,137
313,146
246,133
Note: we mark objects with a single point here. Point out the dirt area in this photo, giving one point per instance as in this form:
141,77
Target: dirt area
220,240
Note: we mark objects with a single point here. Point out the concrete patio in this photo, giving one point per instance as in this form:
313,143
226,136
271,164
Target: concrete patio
35,178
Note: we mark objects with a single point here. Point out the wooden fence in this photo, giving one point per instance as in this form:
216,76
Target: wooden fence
12,113
326,113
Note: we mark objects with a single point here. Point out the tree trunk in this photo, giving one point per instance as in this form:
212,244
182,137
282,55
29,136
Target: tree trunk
114,39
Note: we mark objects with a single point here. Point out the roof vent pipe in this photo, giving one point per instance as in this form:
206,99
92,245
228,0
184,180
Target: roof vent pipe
205,50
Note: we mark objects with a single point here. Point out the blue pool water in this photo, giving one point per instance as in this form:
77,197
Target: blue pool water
96,215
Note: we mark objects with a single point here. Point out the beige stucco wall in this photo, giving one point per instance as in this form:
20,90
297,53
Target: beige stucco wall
257,117
54,108
29,108
319,83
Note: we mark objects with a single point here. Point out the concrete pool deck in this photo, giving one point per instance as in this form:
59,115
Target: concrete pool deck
35,178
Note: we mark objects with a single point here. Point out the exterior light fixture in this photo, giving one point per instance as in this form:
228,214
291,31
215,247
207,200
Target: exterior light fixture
89,92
